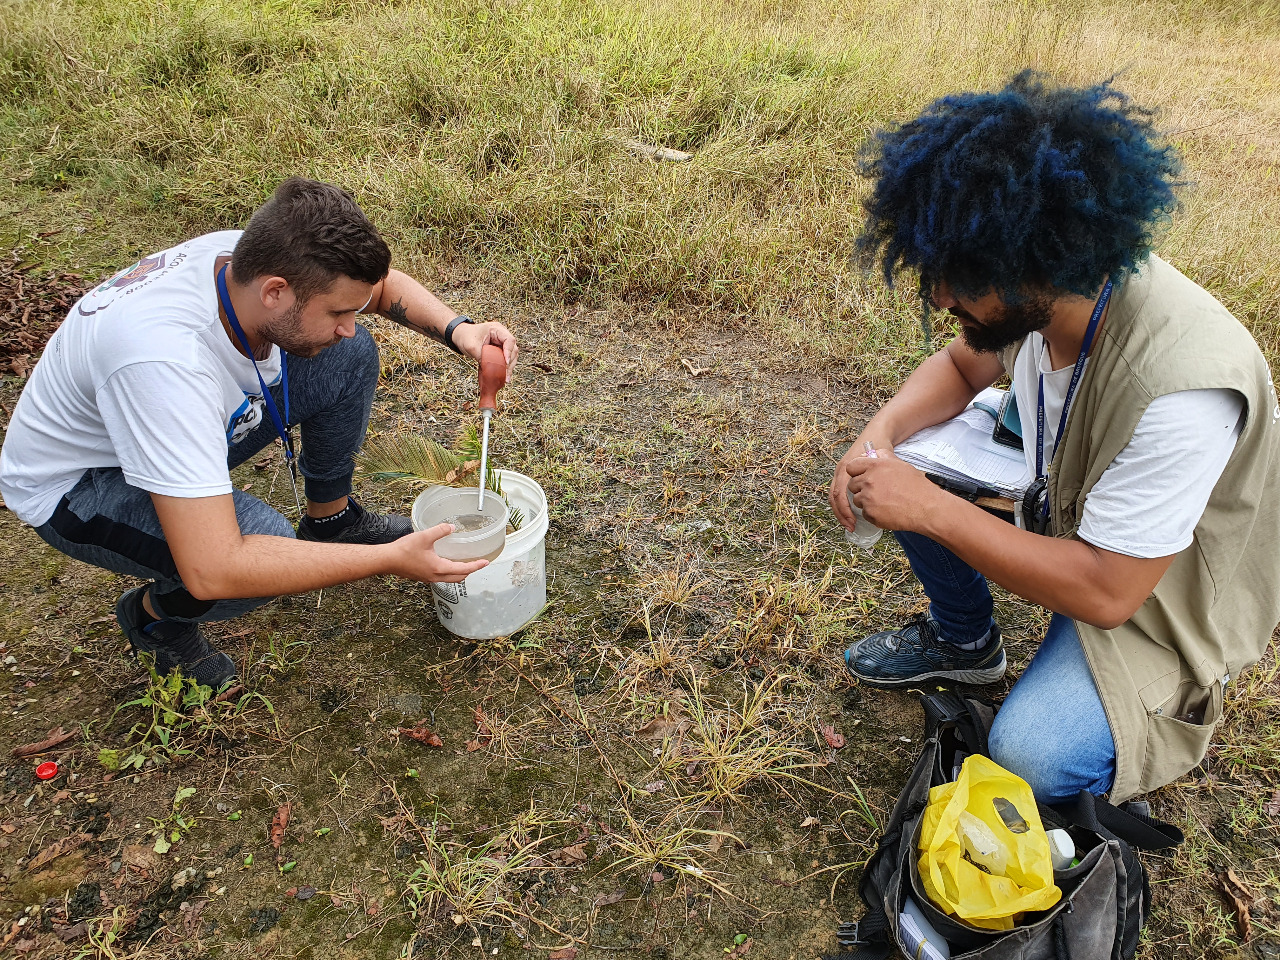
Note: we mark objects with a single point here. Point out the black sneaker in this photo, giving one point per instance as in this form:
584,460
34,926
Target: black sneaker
915,652
367,528
175,645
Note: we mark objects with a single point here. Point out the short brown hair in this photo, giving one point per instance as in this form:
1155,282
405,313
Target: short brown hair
310,233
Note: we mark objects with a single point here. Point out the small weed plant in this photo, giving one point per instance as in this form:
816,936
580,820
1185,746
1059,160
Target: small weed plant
456,884
178,713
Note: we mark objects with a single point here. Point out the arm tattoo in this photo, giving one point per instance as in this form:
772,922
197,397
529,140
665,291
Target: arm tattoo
397,313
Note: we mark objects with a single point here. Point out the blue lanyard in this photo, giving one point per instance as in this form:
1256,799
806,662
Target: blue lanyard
273,412
1089,333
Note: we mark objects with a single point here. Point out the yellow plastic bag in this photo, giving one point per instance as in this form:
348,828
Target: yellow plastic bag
953,882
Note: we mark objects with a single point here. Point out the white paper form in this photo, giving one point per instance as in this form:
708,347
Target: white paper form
962,448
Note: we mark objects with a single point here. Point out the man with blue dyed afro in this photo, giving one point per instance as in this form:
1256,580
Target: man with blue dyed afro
1149,421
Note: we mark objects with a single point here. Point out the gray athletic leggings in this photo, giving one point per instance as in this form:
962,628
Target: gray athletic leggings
106,522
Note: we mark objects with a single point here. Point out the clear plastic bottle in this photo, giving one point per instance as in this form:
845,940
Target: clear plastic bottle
864,534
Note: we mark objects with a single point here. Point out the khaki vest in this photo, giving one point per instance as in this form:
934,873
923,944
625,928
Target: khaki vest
1212,614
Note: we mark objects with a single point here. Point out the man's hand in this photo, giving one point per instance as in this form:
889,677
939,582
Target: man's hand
894,495
837,493
418,559
216,561
402,299
471,338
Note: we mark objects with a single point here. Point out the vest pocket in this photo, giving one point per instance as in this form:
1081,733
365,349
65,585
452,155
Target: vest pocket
1178,732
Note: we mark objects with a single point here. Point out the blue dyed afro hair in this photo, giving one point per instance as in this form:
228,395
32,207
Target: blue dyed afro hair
1031,187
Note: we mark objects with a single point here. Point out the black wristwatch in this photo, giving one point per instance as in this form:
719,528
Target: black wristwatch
453,325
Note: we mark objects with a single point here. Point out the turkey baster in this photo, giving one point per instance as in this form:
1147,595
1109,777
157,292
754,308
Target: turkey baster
493,376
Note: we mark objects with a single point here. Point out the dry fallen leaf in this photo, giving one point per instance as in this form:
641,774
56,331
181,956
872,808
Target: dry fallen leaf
1272,807
422,734
611,898
663,728
484,734
1241,897
834,740
570,855
564,953
466,468
55,737
191,917
473,746
809,822
280,823
55,850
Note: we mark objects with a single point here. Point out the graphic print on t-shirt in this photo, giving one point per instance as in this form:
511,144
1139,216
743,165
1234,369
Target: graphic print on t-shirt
142,274
246,418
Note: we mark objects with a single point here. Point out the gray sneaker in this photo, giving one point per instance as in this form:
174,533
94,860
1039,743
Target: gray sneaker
174,645
368,528
915,652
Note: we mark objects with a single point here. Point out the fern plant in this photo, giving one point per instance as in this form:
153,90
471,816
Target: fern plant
409,458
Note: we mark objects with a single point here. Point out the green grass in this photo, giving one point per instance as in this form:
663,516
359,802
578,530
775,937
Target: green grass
489,133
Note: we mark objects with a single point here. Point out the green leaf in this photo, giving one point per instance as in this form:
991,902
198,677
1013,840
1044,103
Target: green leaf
740,939
162,845
287,867
323,832
233,817
109,759
183,794
248,861
411,773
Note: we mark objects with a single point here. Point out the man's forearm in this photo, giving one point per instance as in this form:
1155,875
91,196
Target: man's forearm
935,391
408,303
1064,576
267,566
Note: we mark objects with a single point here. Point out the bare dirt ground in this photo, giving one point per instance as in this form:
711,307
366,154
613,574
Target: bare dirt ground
670,762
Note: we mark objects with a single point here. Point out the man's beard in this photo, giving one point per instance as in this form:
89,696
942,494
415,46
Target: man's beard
285,331
1013,322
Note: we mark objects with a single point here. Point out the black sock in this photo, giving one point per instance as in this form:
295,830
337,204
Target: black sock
144,619
179,603
326,528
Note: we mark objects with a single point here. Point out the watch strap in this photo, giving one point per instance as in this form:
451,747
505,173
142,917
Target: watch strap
451,326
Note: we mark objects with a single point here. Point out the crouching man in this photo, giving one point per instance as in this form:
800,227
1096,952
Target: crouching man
185,365
1149,419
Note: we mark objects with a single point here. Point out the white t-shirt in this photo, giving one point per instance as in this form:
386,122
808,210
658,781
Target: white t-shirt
142,376
1148,501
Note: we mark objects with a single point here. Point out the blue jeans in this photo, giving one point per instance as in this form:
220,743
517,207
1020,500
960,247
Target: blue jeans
104,521
1052,729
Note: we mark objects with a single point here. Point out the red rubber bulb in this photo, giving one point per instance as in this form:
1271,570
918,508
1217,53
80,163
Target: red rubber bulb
493,375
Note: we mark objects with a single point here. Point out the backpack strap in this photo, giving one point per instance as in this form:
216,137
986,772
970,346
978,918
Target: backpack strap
1135,828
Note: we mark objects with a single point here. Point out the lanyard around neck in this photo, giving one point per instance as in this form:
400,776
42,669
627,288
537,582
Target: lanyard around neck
281,424
1089,333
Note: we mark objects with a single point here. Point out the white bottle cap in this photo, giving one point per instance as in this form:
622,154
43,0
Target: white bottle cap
1062,849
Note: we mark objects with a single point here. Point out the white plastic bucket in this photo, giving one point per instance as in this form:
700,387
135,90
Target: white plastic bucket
512,590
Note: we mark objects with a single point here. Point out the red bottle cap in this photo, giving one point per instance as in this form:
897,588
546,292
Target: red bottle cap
47,771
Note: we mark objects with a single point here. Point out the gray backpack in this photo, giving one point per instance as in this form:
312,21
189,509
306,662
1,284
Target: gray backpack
1106,898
